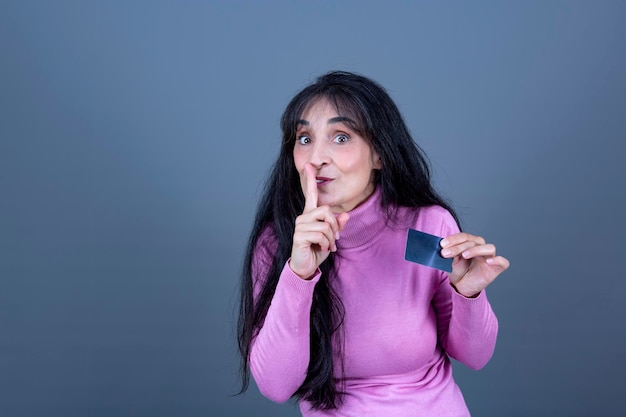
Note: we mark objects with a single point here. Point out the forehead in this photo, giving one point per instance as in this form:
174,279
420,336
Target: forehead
319,108
323,109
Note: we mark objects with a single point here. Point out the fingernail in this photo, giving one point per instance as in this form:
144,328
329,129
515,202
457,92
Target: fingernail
465,254
443,243
446,252
337,236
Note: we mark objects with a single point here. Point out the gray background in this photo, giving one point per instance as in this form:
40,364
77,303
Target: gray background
135,137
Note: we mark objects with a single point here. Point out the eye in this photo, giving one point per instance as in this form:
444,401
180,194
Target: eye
303,140
341,138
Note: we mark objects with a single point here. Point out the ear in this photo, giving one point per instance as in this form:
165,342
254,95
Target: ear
376,161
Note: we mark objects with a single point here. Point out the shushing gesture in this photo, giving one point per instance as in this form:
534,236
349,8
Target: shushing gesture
316,232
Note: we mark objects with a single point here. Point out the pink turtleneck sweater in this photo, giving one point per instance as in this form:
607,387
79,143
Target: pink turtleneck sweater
402,321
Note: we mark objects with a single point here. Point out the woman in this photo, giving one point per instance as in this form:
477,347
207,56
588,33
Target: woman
331,312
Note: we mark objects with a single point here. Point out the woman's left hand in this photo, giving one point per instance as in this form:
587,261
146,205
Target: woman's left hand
475,263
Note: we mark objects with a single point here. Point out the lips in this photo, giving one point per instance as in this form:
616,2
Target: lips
323,180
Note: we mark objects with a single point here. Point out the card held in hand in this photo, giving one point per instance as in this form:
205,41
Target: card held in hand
424,249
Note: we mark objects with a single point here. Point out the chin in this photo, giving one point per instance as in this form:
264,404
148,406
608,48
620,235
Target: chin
331,204
334,206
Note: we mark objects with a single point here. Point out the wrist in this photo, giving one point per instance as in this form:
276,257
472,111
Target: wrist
465,294
304,276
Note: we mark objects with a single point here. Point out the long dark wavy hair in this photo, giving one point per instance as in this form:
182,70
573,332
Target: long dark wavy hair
404,180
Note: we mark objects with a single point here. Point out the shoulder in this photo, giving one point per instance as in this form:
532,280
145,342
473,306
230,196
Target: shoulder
436,212
434,219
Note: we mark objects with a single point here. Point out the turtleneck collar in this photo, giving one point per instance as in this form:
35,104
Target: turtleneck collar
366,222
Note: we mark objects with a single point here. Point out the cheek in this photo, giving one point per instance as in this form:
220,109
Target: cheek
298,161
359,166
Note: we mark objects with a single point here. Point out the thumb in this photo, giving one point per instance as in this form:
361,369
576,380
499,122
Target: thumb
342,219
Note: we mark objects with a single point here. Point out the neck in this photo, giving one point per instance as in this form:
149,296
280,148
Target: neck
366,222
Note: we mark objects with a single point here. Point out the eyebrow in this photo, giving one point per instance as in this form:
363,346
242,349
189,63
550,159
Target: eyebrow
338,119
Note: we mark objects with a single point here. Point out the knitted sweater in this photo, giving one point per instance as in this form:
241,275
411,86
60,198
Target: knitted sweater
402,322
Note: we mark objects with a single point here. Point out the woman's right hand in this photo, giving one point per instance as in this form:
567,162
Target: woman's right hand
316,231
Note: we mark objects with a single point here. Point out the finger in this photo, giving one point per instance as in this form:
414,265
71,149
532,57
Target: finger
318,238
342,219
319,215
310,194
500,261
316,227
461,238
487,250
452,251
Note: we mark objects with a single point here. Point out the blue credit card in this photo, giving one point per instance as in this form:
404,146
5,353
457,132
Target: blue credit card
424,249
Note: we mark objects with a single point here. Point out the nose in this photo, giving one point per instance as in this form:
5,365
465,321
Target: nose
320,154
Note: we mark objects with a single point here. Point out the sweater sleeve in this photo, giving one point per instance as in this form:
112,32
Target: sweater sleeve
467,327
279,353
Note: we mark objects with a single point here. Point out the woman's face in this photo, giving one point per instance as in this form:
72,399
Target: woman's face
343,161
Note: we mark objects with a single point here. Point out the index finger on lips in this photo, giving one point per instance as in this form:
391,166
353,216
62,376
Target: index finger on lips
310,194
